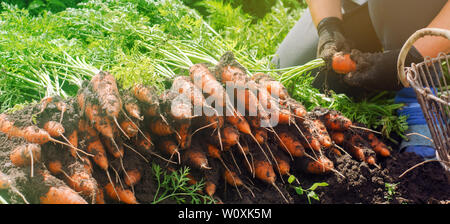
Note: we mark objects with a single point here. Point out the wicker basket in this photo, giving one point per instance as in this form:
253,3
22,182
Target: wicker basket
430,80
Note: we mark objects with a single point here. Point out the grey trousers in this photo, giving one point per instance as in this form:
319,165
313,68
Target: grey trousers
384,24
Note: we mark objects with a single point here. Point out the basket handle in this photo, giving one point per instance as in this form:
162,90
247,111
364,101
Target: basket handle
407,46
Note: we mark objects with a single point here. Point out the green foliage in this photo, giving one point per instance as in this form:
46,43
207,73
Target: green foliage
174,186
391,190
36,7
310,192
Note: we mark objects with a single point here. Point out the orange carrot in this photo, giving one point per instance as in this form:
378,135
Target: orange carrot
115,149
97,149
275,88
338,137
283,164
124,195
183,137
291,144
129,127
342,63
24,155
321,166
336,122
83,182
133,176
73,140
145,94
260,135
61,195
169,147
210,188
9,128
99,196
196,158
264,171
378,146
323,136
230,136
160,128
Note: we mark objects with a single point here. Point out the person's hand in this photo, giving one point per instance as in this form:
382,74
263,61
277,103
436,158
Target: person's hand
378,71
331,39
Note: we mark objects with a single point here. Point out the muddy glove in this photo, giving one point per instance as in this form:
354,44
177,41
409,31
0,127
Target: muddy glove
331,39
378,71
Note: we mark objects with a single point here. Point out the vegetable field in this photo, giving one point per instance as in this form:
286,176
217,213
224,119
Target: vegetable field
145,101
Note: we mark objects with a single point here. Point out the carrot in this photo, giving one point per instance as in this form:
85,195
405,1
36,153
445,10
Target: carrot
145,94
57,193
97,149
358,147
343,63
210,188
81,99
73,140
191,179
129,127
115,150
338,137
87,165
215,153
283,164
133,176
124,195
275,88
321,166
131,106
336,122
323,136
230,136
9,128
102,124
183,137
169,147
260,135
196,158
83,182
160,128
378,146
24,155
264,171
99,196
233,179
291,144
55,168
177,105
143,143
61,195
104,84
203,79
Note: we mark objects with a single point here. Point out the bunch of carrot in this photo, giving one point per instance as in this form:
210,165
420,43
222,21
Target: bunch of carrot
194,123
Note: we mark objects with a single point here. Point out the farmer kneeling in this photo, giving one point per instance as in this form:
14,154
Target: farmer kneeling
373,31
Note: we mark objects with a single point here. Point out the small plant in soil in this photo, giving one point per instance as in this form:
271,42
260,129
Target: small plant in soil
175,186
310,192
391,190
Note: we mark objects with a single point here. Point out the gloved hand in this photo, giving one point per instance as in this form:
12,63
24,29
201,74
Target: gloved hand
378,71
331,39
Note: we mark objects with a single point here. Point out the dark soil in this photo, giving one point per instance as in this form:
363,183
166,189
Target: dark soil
361,183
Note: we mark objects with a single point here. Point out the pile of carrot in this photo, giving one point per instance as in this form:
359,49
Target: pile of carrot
194,123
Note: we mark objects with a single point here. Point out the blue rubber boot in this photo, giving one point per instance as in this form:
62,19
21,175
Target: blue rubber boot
417,124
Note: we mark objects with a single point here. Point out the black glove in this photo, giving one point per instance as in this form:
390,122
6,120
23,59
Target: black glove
331,39
378,71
